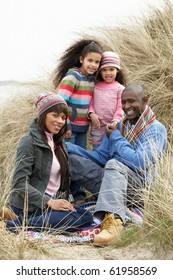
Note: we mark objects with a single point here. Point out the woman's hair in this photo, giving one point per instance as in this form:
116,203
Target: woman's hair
71,56
120,77
58,139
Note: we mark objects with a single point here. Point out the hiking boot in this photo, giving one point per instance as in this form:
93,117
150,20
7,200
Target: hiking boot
7,214
111,230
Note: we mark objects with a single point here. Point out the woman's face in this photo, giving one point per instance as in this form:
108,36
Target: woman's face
54,122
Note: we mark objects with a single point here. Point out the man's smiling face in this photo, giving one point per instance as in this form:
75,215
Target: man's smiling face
133,104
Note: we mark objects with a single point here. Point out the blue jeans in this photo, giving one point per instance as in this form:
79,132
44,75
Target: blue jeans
77,191
95,147
52,220
116,184
80,139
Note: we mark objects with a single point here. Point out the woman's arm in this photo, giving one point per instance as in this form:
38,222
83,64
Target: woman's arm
25,161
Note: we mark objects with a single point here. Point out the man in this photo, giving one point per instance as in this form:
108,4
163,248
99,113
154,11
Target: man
122,165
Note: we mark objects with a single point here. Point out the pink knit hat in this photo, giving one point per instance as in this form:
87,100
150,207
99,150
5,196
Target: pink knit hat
110,59
47,100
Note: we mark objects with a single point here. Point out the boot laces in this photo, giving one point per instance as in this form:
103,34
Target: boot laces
108,222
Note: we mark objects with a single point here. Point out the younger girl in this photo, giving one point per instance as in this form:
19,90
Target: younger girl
41,173
75,73
105,106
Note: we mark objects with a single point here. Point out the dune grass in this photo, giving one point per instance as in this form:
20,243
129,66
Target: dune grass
146,50
158,219
145,46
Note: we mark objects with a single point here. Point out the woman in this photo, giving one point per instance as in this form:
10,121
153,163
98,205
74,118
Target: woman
41,175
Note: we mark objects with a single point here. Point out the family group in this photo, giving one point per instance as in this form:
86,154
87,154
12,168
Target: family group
54,168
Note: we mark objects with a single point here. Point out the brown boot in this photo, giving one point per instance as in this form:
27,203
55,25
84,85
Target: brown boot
111,231
7,214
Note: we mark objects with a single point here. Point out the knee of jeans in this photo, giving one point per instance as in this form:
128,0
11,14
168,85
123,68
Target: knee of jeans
116,165
73,161
73,158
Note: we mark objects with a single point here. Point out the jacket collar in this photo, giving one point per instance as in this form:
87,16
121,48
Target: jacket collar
38,138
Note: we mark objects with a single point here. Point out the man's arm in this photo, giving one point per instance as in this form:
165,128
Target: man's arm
147,149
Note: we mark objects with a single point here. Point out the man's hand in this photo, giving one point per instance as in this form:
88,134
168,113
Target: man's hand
110,127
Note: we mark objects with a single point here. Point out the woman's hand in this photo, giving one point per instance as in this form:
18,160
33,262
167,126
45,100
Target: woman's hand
60,205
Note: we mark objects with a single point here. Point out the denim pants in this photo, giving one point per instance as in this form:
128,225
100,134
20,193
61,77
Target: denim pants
80,139
52,220
116,184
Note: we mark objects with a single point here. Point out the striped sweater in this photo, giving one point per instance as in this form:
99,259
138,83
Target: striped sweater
77,90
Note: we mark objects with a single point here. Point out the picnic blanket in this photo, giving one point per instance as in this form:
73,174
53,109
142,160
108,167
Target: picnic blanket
85,234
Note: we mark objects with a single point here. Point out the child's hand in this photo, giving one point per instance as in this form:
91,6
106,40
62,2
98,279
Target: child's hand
114,124
95,120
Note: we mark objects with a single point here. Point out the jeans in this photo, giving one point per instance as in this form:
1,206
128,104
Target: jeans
80,139
52,220
95,147
77,191
116,184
